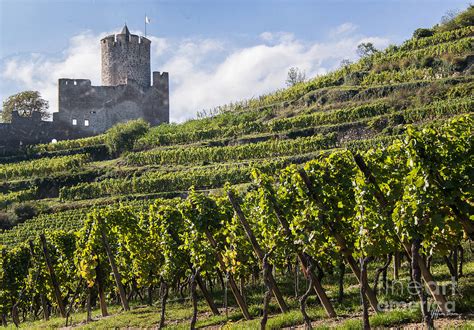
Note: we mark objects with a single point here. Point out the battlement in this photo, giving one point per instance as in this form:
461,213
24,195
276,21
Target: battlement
17,118
161,80
114,40
125,57
84,110
109,40
74,82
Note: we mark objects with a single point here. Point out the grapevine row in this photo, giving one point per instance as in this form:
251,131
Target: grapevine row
282,125
198,155
410,197
42,167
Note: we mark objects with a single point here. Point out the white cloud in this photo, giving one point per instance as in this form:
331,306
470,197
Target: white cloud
281,37
266,36
343,29
378,42
39,72
204,73
158,45
251,71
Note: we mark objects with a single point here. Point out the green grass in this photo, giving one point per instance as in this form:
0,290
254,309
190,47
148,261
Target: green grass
178,313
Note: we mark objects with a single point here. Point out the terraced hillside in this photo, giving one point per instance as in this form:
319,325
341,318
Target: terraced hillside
423,83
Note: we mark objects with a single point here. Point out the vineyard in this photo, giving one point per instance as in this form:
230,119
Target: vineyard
345,201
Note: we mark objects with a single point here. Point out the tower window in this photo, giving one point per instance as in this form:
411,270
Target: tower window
74,122
86,122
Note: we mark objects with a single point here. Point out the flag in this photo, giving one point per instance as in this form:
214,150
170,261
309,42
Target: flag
147,20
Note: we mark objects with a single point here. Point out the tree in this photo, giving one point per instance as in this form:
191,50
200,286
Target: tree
295,76
449,16
366,49
25,103
455,20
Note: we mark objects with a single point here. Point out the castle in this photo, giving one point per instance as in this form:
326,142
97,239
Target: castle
126,93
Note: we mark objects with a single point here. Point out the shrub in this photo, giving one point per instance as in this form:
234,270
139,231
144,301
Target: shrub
6,221
391,49
431,62
381,67
378,123
123,136
25,211
452,64
431,93
406,63
354,78
458,64
400,99
422,33
427,62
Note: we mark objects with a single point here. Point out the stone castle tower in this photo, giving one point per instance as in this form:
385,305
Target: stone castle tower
125,56
126,93
85,110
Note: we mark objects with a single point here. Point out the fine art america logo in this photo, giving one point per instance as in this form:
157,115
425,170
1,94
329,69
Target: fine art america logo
401,289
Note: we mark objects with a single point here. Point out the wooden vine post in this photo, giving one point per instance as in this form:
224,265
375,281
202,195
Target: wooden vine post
194,298
340,240
44,306
396,264
258,250
237,294
305,296
425,273
100,289
113,265
266,272
206,294
363,294
415,248
89,305
316,284
52,274
164,297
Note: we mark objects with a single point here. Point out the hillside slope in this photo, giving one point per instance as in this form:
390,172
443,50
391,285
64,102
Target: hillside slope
422,82
426,82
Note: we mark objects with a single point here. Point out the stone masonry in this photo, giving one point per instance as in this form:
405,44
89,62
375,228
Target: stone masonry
127,93
125,56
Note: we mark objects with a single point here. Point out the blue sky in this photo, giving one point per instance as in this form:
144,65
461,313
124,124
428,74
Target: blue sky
216,51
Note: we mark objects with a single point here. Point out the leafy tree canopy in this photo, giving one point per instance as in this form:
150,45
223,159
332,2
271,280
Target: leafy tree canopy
422,33
455,20
295,76
366,49
26,103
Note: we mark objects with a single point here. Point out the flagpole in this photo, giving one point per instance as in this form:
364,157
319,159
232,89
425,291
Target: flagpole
145,25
